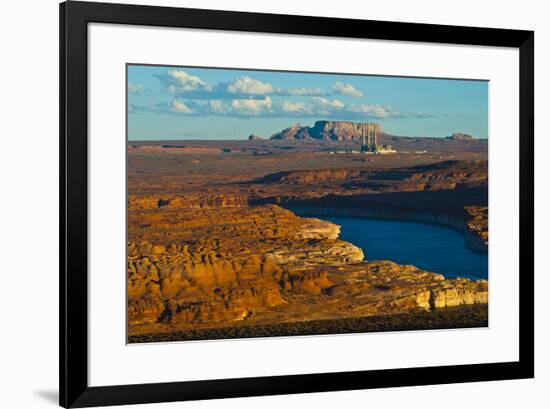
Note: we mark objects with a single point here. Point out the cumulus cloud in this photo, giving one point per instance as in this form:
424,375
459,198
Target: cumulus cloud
341,88
134,88
217,107
290,107
245,96
375,111
327,104
317,107
303,91
251,107
179,107
250,86
179,81
230,108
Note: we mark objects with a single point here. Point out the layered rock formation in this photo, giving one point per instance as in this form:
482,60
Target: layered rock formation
438,193
457,136
194,201
200,268
444,175
325,130
477,227
281,187
296,131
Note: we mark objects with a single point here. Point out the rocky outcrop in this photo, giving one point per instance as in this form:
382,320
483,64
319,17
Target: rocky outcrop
198,268
442,176
338,130
325,130
168,285
477,227
254,137
459,292
196,273
390,287
457,136
296,131
194,201
447,175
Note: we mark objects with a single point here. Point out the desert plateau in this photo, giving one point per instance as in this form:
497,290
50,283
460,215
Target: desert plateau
233,238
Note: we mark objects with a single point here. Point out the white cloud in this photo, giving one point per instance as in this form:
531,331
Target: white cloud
250,86
424,115
295,107
181,83
346,89
251,106
180,108
247,107
375,111
327,104
178,81
304,91
134,88
217,106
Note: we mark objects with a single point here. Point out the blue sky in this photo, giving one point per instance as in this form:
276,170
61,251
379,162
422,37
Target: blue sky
170,103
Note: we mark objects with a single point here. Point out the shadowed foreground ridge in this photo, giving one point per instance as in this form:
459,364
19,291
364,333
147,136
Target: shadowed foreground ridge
467,316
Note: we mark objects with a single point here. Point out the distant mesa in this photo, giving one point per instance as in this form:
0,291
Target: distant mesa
325,131
457,136
294,132
253,137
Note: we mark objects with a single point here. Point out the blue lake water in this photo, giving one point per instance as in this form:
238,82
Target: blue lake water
431,247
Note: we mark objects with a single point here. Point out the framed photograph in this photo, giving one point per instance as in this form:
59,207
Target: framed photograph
256,204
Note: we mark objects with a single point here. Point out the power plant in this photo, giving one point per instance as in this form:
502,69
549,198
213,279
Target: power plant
369,133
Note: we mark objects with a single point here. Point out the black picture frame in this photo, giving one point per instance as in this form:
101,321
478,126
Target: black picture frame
73,380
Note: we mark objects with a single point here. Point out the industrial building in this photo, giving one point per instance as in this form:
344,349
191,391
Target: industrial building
369,133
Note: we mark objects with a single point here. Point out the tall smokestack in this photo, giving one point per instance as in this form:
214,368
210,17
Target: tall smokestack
369,128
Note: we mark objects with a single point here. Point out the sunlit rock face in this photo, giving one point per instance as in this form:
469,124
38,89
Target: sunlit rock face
223,276
326,131
201,267
477,234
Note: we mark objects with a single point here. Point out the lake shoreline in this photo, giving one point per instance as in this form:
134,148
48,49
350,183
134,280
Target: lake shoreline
471,240
377,237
